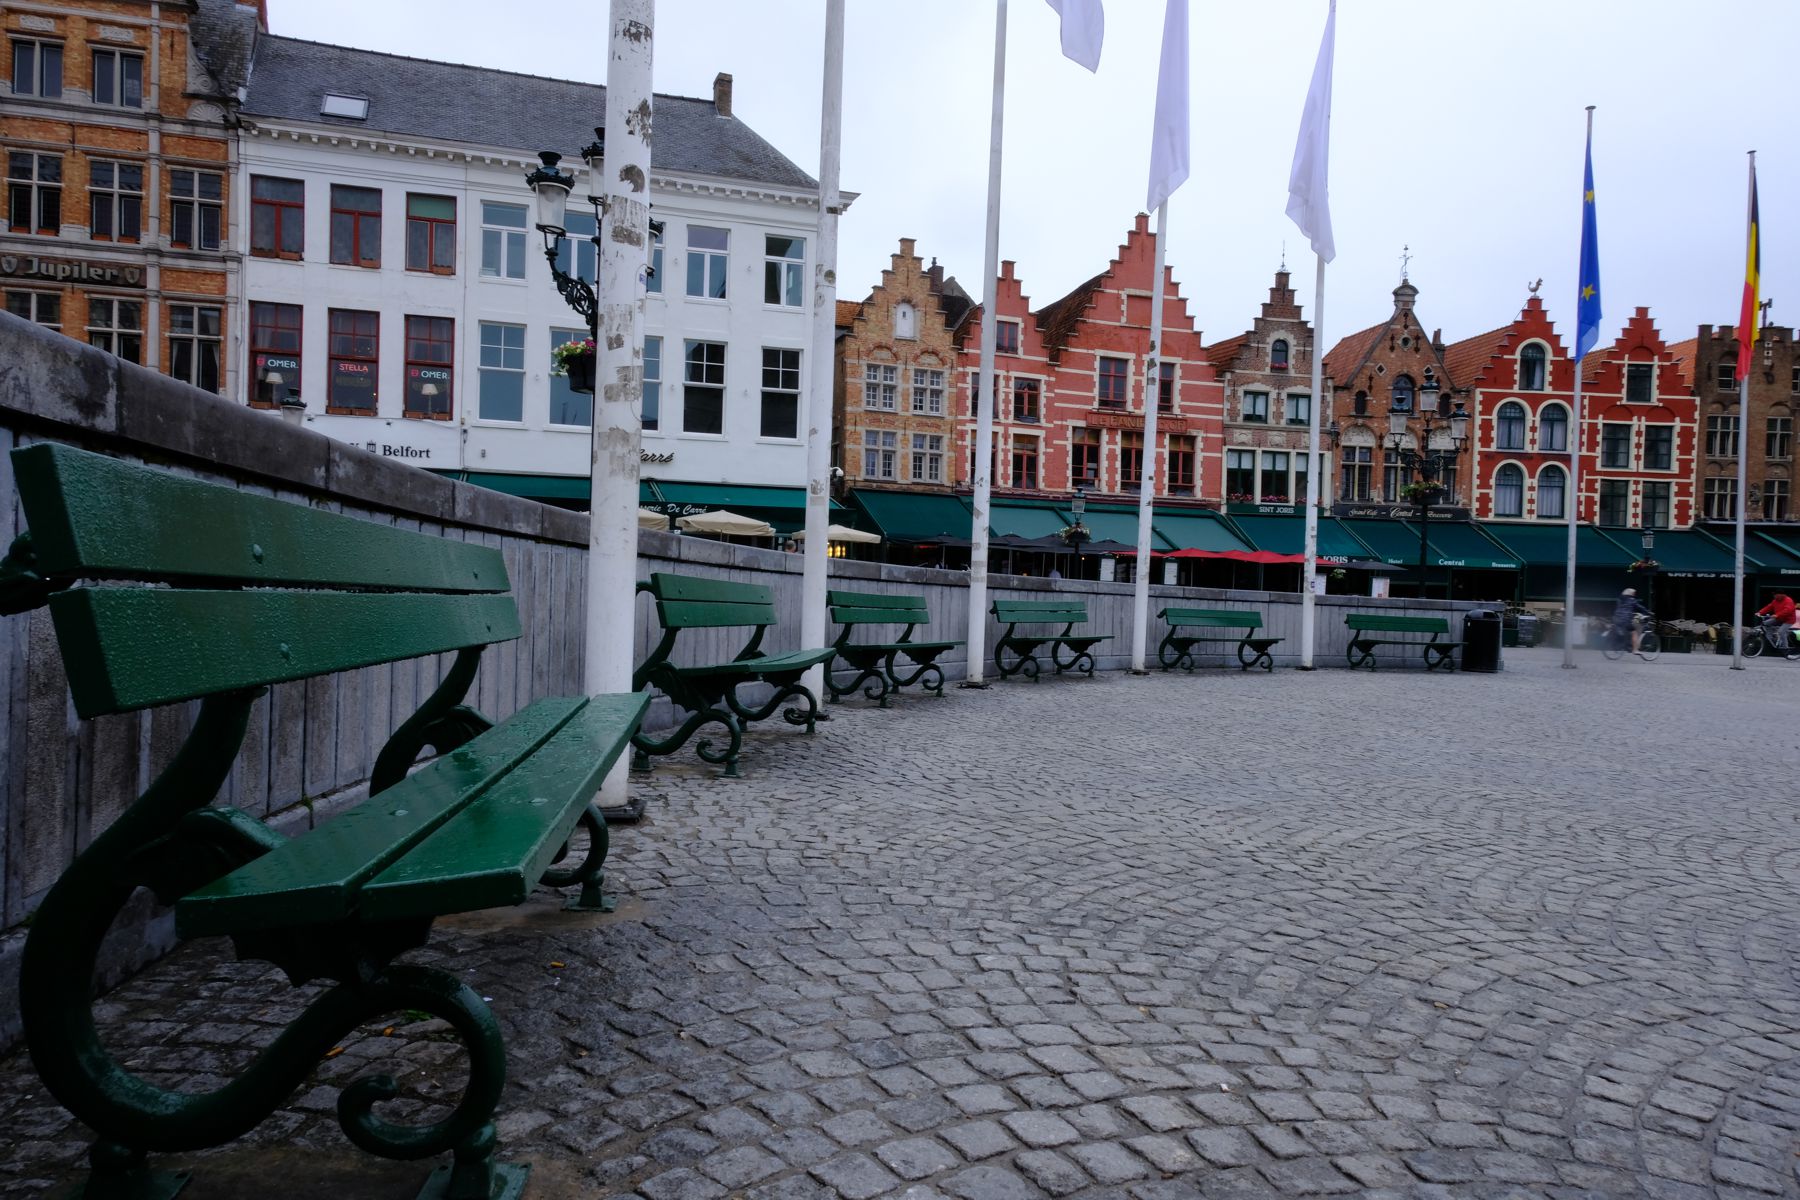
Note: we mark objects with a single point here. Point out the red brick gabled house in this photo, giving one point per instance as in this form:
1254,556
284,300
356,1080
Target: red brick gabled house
1022,377
1640,432
1266,377
1709,362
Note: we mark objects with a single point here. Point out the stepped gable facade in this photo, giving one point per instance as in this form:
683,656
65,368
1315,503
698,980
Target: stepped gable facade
1710,361
1639,433
1265,376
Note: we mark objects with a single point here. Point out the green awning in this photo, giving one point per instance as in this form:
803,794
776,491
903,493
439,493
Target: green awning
532,487
1776,557
1027,521
1287,535
1462,544
911,517
1681,553
1546,544
1392,541
1194,531
1122,527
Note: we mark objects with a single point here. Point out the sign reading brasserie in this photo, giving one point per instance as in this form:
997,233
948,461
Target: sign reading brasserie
67,270
1398,512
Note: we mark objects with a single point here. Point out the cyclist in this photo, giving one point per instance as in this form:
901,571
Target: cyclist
1625,614
1783,612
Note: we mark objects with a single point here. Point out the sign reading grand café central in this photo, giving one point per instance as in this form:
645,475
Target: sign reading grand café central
65,270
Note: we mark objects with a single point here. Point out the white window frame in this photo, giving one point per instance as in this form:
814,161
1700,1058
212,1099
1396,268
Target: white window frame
1562,504
927,465
46,194
38,45
199,341
1519,366
714,264
199,205
119,57
576,253
651,412
110,331
1524,420
932,390
503,245
1244,413
497,358
114,195
789,273
1543,444
1523,478
37,300
1288,403
1722,438
881,387
881,454
1723,490
653,278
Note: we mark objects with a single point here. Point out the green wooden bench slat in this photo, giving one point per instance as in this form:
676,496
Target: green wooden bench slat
873,600
99,517
767,664
314,877
713,614
1381,623
131,647
493,852
1008,614
697,587
1212,618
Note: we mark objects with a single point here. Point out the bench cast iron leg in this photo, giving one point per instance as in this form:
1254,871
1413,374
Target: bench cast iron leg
644,745
588,872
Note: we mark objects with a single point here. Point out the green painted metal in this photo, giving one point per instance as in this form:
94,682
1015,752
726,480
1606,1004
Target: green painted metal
1361,650
1024,647
494,849
96,517
877,664
1177,648
22,587
131,648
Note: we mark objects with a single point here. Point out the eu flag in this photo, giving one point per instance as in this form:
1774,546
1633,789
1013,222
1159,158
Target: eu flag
1587,308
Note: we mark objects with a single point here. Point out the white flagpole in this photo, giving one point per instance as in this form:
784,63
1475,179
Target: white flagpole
1743,443
1314,485
984,405
818,406
1568,661
1140,592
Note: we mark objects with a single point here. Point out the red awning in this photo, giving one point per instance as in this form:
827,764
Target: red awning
1255,556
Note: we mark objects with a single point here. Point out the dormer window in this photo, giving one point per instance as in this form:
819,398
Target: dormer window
354,108
1278,355
906,321
1531,368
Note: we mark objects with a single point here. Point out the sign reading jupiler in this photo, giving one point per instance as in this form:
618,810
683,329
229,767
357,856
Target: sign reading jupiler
64,270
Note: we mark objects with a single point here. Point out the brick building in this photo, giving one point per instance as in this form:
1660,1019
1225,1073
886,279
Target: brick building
1774,397
894,420
1639,433
1266,377
1370,371
1071,380
118,125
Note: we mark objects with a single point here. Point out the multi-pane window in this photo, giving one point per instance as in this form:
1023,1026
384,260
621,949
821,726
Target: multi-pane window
708,259
277,217
274,351
1509,426
1794,382
1718,499
354,352
1084,457
1165,387
1274,483
880,453
1659,447
1394,474
1656,505
502,372
653,281
1780,440
1111,379
1552,489
1553,428
1446,477
652,383
1615,502
1256,407
784,270
115,200
196,209
1302,465
927,391
355,225
194,345
502,240
568,406
117,327
927,458
1278,355
430,358
33,192
119,78
1131,461
703,390
431,234
781,393
1299,408
577,254
1027,400
1024,461
1727,375
1400,392
1240,475
37,68
1531,368
1640,383
1006,337
1722,436
1509,491
881,386
43,307
1775,500
1615,445
1357,471
1181,465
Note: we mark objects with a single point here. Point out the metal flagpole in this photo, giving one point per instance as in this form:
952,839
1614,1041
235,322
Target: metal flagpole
818,407
619,366
1746,337
984,406
1315,487
1140,592
1568,661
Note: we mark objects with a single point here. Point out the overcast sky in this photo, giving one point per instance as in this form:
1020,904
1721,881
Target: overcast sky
1457,130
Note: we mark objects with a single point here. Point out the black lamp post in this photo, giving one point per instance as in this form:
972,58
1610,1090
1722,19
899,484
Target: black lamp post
551,185
1425,461
1078,533
1649,569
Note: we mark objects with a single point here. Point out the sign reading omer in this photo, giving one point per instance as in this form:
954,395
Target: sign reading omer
64,270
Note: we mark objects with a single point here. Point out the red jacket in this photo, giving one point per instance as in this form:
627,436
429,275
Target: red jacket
1782,608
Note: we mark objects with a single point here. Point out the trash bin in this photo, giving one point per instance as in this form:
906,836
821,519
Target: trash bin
1481,641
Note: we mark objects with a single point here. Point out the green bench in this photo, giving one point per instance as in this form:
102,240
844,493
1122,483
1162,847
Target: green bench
1362,626
1024,647
1177,648
253,591
709,691
877,662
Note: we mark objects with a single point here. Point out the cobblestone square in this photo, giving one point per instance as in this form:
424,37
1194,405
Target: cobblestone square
1161,937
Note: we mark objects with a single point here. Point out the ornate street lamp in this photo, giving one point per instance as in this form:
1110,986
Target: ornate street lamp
1425,461
1649,565
1078,533
551,185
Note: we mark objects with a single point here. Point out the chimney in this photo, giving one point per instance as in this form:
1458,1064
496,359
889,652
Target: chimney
722,93
936,273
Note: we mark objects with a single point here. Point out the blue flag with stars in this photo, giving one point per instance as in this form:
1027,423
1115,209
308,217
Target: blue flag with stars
1587,308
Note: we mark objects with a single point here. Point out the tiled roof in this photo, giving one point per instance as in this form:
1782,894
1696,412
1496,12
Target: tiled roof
1683,355
1057,320
1342,359
1221,354
847,312
465,105
954,303
1464,360
223,35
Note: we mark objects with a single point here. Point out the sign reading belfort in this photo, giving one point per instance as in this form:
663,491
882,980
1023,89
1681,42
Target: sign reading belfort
64,270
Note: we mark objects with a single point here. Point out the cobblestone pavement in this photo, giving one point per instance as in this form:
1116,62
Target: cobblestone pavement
1213,935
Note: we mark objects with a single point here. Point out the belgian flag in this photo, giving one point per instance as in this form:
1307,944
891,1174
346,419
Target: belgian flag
1747,319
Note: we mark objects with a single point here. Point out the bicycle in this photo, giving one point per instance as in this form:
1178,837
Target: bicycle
1615,643
1771,635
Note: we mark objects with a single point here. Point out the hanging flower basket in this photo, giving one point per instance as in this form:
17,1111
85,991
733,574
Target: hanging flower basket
1420,493
1644,566
576,360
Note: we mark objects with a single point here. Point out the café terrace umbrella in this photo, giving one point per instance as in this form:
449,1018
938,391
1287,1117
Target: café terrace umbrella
725,524
649,518
843,533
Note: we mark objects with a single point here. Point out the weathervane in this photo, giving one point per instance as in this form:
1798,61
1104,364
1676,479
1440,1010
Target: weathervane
1533,287
1405,259
1284,254
1764,306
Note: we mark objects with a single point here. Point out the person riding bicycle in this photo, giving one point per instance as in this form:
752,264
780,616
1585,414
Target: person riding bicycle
1625,614
1781,611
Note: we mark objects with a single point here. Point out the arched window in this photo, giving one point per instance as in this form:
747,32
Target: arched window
1553,428
1531,368
1402,391
1551,489
1278,355
1509,426
1509,491
1360,404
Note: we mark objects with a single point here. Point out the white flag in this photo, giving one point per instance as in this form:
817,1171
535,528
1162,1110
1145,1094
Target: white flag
1309,183
1169,139
1083,26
